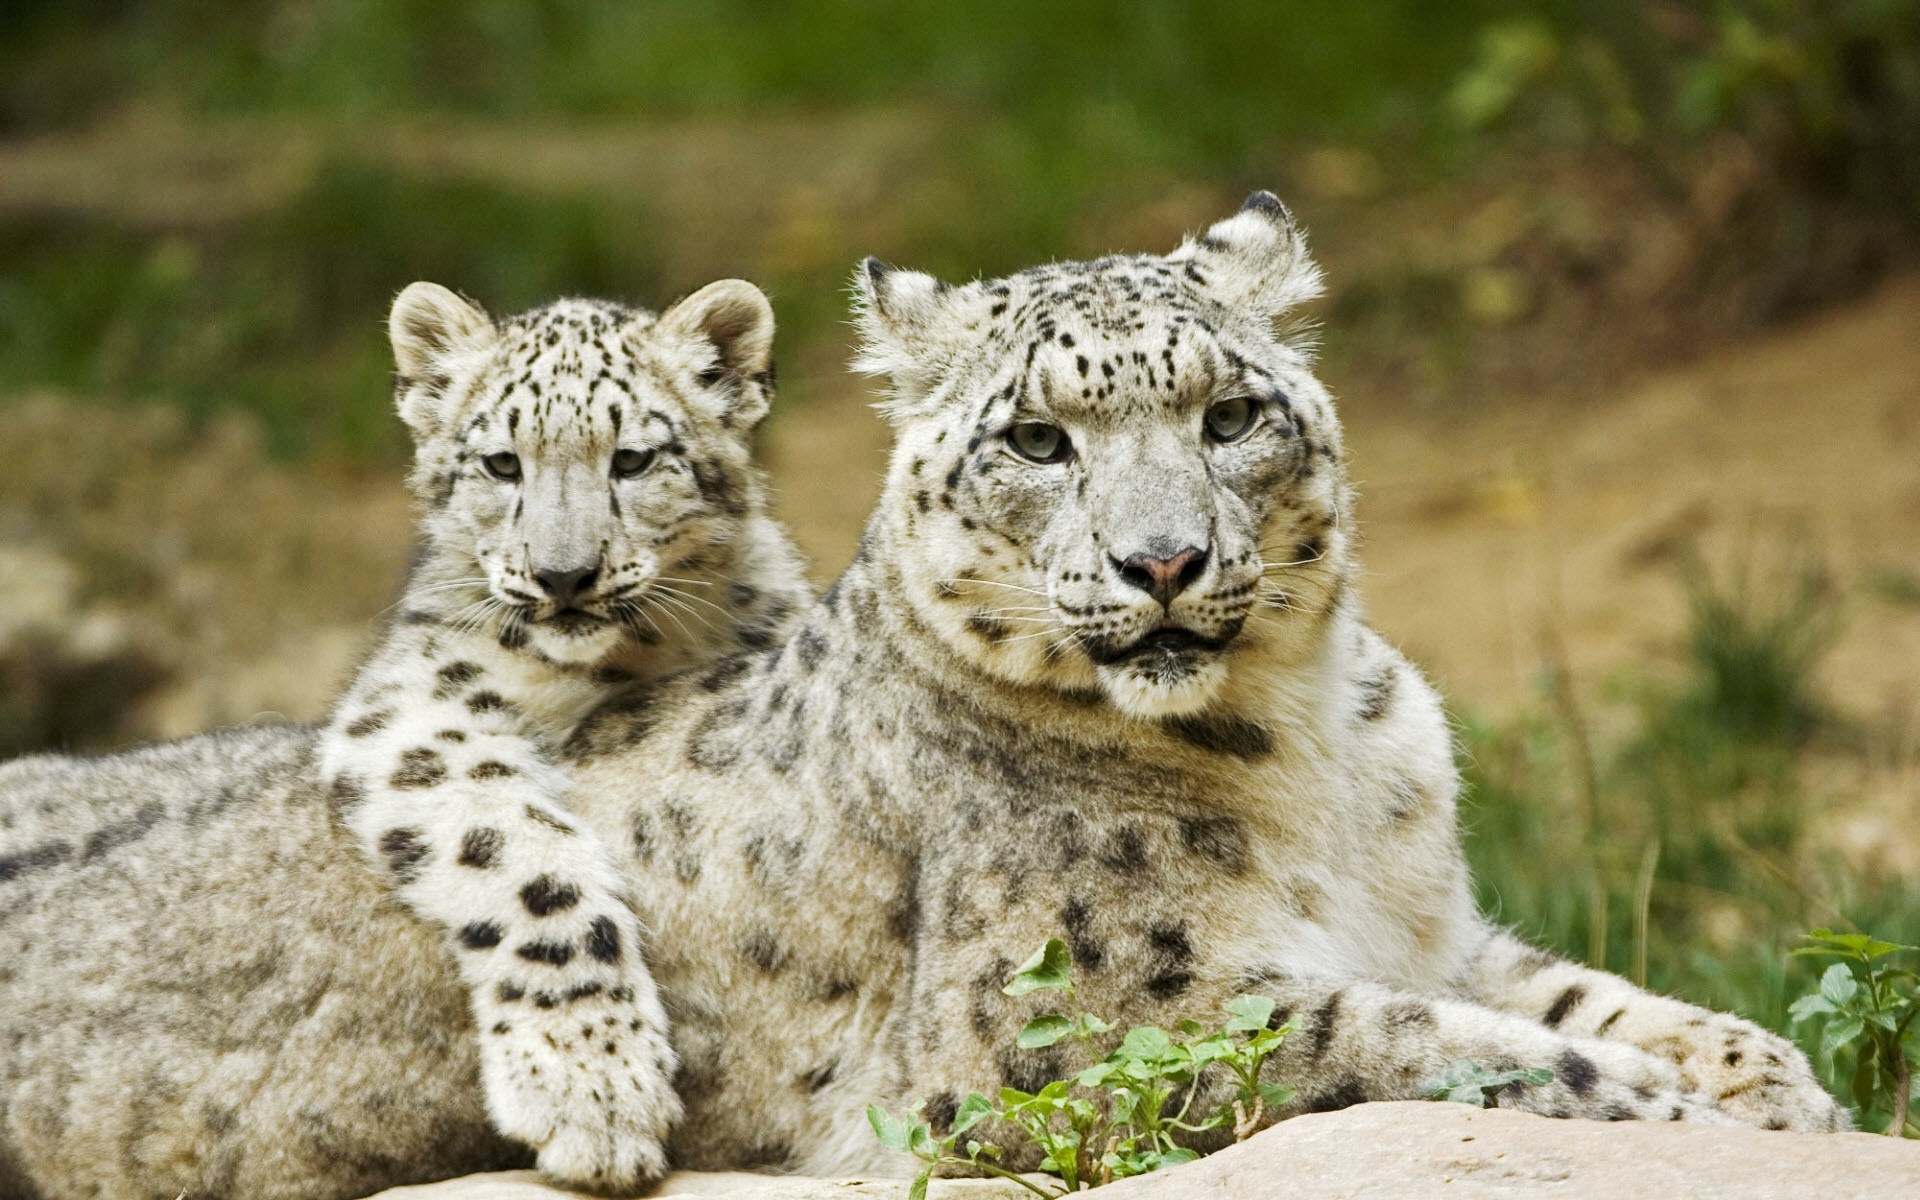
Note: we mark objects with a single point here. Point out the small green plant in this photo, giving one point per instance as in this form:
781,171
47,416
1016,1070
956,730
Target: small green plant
1118,1118
1869,1004
1467,1082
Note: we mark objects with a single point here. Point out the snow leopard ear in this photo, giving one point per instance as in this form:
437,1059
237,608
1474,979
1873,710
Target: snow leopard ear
430,324
728,327
903,318
1257,258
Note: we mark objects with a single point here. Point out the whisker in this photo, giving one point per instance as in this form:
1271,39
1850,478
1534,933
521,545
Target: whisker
992,583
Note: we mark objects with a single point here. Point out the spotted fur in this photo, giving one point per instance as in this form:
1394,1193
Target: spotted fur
1204,770
590,522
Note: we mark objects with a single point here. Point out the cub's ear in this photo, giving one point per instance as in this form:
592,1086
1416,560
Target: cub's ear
428,325
1255,259
904,318
729,327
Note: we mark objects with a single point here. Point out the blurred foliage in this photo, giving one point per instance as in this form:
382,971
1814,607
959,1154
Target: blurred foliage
1040,126
1683,849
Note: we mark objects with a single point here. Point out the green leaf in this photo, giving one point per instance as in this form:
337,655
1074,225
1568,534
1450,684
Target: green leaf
891,1130
917,1190
1838,985
1175,1157
1275,1095
1866,1078
1095,1075
1047,969
1093,1026
1191,1027
1149,1042
1044,1030
1810,1006
973,1110
1013,1098
1839,1033
920,1142
1248,1013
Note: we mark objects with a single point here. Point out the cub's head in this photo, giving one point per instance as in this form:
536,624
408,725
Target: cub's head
578,464
1114,476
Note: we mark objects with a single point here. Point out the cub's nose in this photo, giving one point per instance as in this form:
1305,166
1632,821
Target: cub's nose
566,586
1163,578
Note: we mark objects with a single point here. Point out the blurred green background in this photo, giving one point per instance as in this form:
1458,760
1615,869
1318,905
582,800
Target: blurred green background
256,179
207,205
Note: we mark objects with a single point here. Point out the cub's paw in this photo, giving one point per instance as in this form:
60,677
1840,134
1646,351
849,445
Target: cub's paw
586,1078
1756,1076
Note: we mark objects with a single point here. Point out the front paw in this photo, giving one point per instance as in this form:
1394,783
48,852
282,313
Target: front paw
587,1080
1756,1076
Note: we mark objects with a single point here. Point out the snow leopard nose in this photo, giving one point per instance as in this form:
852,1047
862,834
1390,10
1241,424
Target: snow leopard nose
566,586
1163,578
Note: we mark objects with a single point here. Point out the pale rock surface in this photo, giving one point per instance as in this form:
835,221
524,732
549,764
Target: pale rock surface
1403,1152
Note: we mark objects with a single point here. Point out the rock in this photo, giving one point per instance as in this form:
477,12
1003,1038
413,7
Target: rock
718,1185
1412,1149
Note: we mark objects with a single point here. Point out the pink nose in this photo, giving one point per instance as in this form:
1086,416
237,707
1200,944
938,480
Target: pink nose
1164,578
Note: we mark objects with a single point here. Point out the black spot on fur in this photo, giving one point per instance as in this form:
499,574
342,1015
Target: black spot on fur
1563,1004
1168,984
1376,695
486,701
406,851
940,1112
448,679
764,952
122,832
1126,849
820,1077
490,770
419,768
47,854
368,724
480,847
1345,1094
1222,735
480,935
1600,1030
1222,839
554,954
603,940
1408,1015
1318,1034
1029,1070
545,895
1088,952
1577,1071
346,793
541,816
510,992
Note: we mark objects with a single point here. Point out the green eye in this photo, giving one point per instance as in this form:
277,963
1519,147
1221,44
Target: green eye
1231,420
504,465
628,463
1039,442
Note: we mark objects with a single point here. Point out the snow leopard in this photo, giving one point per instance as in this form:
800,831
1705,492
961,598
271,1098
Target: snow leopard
590,519
1099,670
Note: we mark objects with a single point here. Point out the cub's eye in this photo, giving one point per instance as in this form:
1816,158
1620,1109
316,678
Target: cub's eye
1039,442
628,463
1230,420
504,465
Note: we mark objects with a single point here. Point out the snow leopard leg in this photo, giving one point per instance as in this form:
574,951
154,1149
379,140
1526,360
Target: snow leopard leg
1750,1073
430,772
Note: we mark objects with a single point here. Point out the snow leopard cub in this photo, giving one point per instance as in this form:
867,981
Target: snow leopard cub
590,519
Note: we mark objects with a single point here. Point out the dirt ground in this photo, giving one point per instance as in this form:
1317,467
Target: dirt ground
1498,535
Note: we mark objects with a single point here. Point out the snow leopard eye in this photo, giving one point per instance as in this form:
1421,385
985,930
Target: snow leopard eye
1230,420
1039,442
505,465
629,463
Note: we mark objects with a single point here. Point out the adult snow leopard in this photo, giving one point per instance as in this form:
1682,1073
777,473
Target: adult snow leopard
590,519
